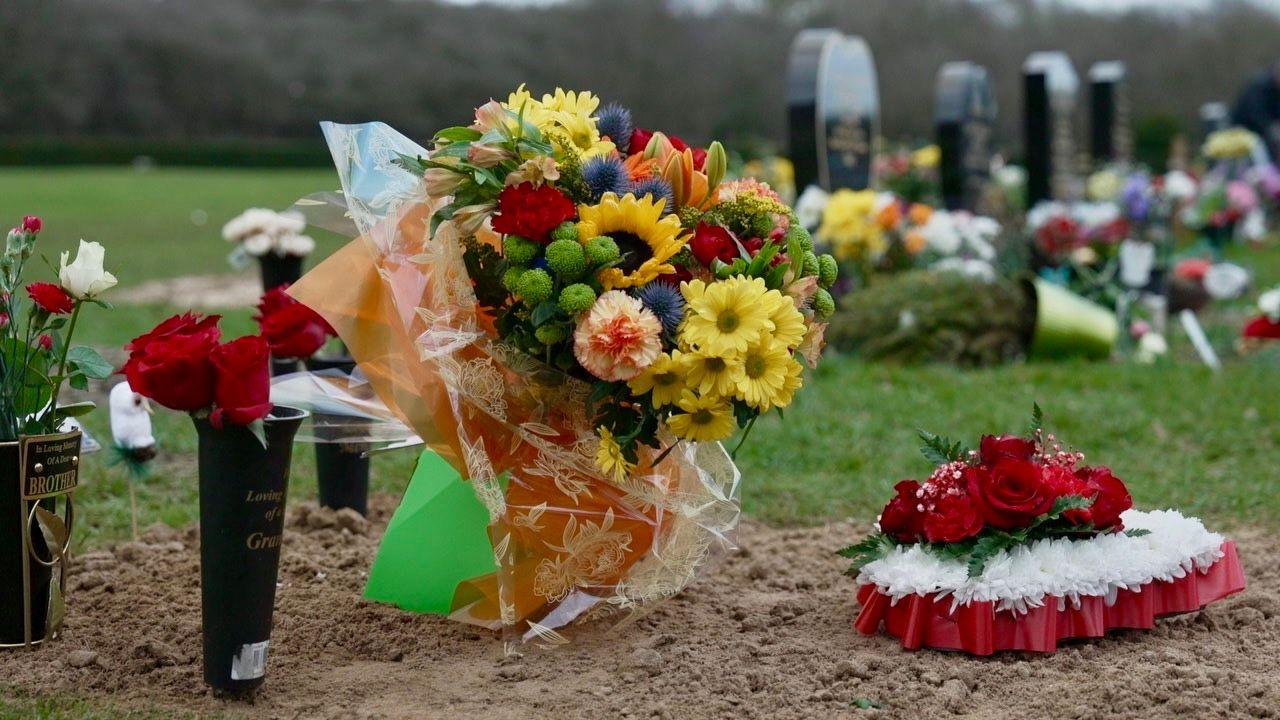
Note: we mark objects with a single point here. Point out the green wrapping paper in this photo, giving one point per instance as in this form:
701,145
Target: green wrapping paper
436,540
1068,325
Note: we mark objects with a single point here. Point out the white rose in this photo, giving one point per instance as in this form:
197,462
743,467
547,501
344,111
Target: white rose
85,277
1226,281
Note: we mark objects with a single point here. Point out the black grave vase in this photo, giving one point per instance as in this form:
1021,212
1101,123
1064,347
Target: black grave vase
12,627
342,469
243,486
279,270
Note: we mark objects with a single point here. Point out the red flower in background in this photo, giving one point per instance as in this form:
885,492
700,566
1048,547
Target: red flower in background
1262,328
242,382
1111,499
532,212
291,329
45,342
1010,494
712,242
173,363
953,518
995,448
901,519
640,140
1058,235
50,298
32,223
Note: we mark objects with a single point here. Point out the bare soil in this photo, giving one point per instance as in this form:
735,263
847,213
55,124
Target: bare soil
766,634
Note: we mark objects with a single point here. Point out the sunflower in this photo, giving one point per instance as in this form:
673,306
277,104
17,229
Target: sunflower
646,238
664,378
708,373
609,457
724,317
761,378
704,419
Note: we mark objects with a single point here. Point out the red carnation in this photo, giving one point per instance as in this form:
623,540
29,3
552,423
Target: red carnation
995,448
901,519
1063,482
1262,328
32,224
50,298
291,329
712,242
1112,497
532,212
953,518
1010,494
243,382
173,364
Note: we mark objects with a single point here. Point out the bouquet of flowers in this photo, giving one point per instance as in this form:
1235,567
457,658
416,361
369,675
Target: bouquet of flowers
38,322
1229,202
1032,545
911,174
573,311
260,231
867,231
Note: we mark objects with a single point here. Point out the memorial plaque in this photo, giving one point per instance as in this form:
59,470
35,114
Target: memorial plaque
1110,136
833,110
1050,84
965,118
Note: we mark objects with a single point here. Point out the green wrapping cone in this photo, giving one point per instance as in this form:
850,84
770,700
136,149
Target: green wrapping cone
1068,325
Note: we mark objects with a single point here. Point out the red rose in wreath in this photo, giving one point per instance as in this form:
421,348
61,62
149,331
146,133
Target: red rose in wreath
1010,494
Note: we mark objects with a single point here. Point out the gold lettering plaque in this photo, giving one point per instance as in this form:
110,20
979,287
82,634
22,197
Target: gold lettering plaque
50,465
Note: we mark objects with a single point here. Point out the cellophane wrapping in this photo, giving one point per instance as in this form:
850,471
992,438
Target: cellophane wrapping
567,542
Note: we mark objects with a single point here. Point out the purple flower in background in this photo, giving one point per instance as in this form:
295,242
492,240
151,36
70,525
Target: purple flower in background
1134,198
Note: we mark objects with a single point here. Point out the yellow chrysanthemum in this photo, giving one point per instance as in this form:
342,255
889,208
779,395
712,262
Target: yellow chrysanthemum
609,457
788,324
724,317
761,378
704,419
664,378
708,373
850,227
646,239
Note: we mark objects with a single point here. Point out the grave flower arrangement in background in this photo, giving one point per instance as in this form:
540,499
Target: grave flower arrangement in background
1019,543
38,321
258,232
291,329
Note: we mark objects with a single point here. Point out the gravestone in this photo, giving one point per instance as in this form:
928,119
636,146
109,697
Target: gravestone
833,110
1050,84
964,116
1110,136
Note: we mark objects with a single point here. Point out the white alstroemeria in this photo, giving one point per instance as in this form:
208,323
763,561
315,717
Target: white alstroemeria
85,277
1151,347
810,205
1226,281
1269,304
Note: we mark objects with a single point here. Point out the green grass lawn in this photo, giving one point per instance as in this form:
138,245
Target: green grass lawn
1179,434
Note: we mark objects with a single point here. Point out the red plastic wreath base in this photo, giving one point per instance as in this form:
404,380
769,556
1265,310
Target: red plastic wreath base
918,621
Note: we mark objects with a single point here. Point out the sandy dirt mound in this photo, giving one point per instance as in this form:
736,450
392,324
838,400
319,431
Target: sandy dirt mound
198,292
767,634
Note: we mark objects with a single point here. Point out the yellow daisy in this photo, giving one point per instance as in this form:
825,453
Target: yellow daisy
566,114
609,457
704,419
788,324
708,373
664,378
646,239
724,317
761,378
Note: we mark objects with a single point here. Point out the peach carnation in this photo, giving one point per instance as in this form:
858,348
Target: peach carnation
618,338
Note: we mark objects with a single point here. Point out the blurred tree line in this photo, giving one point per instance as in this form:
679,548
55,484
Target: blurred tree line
184,71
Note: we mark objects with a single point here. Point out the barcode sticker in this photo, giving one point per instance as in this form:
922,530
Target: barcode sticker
251,662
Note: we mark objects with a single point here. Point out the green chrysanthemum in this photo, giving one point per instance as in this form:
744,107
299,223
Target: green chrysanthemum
797,232
827,271
551,334
577,298
518,250
601,250
566,259
565,231
511,278
823,303
810,263
535,287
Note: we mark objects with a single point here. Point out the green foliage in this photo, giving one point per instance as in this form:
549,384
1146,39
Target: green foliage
922,317
940,450
869,549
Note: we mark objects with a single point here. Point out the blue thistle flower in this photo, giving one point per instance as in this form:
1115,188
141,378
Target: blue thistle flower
665,301
615,121
605,175
660,190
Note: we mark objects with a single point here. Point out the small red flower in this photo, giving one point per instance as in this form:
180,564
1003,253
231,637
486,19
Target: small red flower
291,329
532,212
50,298
32,224
640,140
953,518
1111,499
1262,328
45,342
712,242
901,519
995,448
242,391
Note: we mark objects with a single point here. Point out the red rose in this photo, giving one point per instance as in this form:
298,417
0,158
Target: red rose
32,224
290,328
711,242
532,212
45,342
1112,496
172,364
995,448
953,518
1010,494
901,518
1262,328
243,387
50,298
640,140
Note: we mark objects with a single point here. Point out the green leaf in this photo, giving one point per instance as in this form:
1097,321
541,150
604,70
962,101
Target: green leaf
1137,532
987,547
544,312
77,409
90,362
866,704
869,549
458,134
78,381
1037,419
410,163
940,450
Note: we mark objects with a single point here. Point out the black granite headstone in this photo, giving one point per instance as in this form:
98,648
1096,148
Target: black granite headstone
833,110
1049,102
1110,137
964,114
